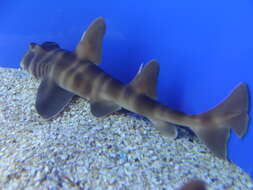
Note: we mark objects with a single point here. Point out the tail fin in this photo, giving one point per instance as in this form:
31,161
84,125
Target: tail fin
216,123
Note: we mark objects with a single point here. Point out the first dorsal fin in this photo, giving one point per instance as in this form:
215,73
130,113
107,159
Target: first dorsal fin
145,80
90,45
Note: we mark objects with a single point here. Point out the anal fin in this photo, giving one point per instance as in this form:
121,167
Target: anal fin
165,128
100,108
51,99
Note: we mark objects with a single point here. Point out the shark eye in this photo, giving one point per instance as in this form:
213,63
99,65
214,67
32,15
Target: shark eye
32,46
50,45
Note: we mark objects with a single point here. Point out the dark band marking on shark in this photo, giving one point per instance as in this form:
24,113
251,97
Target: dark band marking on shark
65,74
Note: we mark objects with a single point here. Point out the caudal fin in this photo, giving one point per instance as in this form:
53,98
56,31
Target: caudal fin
216,123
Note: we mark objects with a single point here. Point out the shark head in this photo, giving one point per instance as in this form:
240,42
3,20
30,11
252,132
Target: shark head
34,54
28,57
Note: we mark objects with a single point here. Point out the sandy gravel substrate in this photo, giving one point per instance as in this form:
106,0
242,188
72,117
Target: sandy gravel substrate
78,151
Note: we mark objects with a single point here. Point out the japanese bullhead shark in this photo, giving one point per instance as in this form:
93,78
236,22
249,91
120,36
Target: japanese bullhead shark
64,74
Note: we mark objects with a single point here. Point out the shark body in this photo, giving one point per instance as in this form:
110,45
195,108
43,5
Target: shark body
65,74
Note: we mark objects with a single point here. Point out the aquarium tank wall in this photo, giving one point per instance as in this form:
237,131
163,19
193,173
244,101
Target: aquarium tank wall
205,48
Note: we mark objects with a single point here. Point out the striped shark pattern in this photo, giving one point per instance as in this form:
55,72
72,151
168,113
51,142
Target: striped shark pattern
64,74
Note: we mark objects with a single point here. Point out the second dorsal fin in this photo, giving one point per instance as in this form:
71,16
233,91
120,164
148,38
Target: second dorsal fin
90,45
145,81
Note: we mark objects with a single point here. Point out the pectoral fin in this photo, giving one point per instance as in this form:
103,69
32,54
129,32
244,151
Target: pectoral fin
145,80
102,108
90,45
51,99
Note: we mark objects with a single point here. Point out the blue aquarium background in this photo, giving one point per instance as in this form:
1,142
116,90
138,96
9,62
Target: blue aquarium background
205,48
